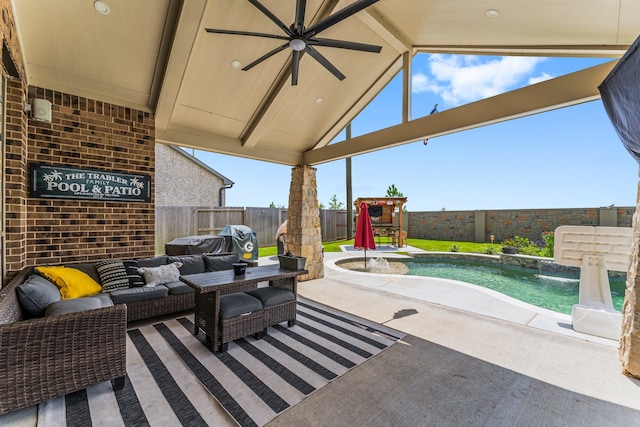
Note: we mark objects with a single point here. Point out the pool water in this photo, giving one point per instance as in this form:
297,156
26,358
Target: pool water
551,292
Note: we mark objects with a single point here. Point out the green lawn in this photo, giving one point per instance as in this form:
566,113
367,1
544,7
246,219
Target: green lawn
427,245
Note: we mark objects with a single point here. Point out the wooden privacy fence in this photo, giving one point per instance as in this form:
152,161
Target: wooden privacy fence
178,221
465,226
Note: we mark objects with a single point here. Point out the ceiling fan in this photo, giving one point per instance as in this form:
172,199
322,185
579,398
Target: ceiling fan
300,39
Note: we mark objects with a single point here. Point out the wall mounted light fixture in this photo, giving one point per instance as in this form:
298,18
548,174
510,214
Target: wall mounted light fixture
40,109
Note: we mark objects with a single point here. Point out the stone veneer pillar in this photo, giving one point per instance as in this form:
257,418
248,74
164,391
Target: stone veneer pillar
629,349
303,221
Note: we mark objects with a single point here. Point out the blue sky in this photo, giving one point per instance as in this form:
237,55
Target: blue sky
566,158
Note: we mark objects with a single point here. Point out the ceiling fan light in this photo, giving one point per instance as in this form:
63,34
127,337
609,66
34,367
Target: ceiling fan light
101,7
297,44
236,64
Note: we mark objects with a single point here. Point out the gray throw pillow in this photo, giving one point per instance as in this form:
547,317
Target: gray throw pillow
35,294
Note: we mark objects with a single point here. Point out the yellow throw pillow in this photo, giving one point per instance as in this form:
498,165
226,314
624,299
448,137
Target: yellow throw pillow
72,282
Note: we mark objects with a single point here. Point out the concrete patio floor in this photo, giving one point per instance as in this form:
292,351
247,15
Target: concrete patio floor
485,325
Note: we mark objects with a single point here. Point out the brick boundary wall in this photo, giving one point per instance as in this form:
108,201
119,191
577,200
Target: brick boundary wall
503,224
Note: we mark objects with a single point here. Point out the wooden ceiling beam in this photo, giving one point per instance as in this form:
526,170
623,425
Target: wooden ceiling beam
225,145
563,91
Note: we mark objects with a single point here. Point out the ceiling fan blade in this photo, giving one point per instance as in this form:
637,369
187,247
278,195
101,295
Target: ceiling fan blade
245,33
295,66
324,61
343,44
298,25
271,16
338,16
265,56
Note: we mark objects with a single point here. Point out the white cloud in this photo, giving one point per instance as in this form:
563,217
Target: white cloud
460,79
542,77
420,83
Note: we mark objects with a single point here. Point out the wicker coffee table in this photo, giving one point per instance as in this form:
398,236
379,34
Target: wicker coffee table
210,286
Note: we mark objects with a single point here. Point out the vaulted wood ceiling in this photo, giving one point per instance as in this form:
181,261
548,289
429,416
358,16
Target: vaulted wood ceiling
155,55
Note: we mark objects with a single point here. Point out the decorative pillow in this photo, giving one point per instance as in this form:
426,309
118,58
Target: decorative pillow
154,276
113,275
86,267
72,282
135,279
35,294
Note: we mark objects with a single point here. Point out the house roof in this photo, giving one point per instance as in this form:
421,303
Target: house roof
226,181
155,55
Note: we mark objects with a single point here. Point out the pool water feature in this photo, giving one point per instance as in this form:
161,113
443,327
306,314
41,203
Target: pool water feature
558,293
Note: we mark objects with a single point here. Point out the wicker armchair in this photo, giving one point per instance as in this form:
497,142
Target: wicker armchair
45,358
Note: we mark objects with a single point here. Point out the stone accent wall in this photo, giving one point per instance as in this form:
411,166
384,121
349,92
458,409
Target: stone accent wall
444,225
184,182
503,224
303,223
88,134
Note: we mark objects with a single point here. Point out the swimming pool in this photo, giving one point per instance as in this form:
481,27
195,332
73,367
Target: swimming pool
555,293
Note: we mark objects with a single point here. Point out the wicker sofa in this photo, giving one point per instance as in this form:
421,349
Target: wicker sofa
82,344
48,357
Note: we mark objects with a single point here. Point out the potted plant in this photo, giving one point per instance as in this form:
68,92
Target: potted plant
509,250
512,246
291,262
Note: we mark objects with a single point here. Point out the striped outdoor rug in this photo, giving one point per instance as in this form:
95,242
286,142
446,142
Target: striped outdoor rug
172,379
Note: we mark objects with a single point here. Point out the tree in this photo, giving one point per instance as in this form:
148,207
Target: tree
273,205
334,203
320,205
392,191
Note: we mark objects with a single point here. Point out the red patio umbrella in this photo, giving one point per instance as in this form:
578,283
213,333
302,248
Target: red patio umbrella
364,232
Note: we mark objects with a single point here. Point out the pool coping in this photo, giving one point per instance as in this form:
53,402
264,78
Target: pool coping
454,294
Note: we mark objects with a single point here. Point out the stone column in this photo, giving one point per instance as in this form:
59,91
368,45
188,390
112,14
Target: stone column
629,350
303,221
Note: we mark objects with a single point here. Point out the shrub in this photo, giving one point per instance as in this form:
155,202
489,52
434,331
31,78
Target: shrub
454,248
549,241
527,247
490,250
517,242
524,245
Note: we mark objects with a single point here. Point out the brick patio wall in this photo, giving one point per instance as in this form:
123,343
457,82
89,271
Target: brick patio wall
15,148
90,134
86,134
503,224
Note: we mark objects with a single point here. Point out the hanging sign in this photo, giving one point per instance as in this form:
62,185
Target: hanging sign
73,183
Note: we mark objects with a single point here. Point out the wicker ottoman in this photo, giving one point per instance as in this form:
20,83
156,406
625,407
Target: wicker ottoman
279,305
240,315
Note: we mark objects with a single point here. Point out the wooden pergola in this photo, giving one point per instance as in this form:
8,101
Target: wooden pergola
386,217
